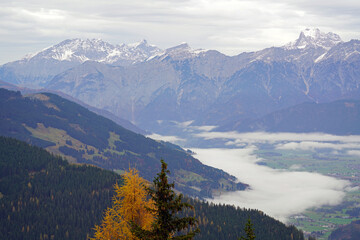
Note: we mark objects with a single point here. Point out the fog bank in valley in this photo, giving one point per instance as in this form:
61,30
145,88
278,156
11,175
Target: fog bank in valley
278,193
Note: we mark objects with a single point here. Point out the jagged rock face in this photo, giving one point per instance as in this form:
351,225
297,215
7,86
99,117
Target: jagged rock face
181,84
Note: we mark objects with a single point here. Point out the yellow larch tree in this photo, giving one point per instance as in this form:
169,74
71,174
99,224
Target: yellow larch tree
130,204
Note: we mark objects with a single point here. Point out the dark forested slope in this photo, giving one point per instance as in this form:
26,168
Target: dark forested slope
44,197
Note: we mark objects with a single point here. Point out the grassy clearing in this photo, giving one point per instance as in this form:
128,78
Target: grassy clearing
61,138
187,176
112,139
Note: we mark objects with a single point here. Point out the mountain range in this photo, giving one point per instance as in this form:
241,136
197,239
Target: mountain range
153,88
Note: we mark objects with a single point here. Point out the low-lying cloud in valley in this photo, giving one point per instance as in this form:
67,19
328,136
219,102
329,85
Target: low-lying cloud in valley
287,141
173,139
263,137
279,193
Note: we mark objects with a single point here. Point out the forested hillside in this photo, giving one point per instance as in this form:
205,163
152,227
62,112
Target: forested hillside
44,197
67,129
225,222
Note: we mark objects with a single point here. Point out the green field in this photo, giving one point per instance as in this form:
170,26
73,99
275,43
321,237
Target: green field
319,222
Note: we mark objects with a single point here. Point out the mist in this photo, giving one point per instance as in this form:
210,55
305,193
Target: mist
172,139
278,193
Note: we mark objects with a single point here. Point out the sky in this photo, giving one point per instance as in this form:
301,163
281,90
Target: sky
229,26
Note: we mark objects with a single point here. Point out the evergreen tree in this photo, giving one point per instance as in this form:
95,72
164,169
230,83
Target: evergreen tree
130,204
167,224
249,230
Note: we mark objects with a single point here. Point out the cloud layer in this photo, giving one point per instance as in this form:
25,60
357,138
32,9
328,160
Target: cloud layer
290,141
278,193
230,26
172,139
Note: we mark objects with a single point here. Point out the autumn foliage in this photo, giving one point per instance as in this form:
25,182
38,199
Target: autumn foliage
130,205
168,225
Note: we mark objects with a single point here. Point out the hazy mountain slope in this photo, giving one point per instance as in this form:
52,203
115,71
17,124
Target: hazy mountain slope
65,128
120,121
340,117
256,90
44,197
337,74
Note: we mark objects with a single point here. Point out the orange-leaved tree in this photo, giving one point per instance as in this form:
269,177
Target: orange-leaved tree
130,205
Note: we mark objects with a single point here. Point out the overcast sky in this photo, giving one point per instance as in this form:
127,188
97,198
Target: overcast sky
230,26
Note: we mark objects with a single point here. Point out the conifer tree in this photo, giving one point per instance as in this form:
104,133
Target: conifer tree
130,204
167,224
249,230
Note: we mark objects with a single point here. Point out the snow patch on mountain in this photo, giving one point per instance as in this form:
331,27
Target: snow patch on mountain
320,58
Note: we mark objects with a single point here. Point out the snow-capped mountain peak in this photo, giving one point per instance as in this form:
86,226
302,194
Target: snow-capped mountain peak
139,44
81,50
313,37
77,50
181,52
313,33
